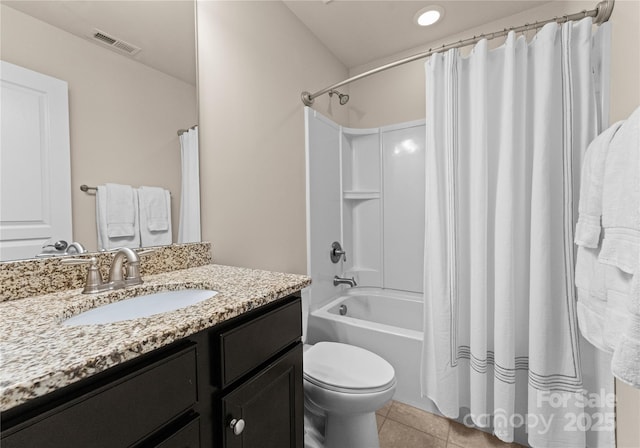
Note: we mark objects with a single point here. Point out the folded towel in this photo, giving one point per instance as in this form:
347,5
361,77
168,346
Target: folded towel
105,242
120,211
153,204
590,274
592,296
620,198
155,216
590,205
626,358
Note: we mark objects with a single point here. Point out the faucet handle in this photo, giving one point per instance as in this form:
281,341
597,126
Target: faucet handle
337,252
94,278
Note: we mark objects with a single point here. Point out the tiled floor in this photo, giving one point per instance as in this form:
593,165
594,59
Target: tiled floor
403,426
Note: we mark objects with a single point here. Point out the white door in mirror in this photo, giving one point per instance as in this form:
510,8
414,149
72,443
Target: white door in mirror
35,173
141,306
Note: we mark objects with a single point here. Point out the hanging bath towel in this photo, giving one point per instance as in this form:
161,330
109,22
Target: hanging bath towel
117,217
155,216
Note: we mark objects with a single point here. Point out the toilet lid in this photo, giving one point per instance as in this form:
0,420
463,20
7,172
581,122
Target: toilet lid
342,366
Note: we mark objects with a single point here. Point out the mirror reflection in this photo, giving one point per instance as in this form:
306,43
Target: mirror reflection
129,71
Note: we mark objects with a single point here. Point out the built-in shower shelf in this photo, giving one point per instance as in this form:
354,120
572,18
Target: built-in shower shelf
361,195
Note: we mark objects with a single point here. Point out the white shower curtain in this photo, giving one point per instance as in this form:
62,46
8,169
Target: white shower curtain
189,229
506,131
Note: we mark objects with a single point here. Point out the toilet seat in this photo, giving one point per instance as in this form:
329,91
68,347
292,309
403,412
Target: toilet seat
346,368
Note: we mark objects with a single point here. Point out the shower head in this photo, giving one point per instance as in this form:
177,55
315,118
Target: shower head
343,97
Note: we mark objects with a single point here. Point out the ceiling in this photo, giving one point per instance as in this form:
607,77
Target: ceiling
355,31
164,30
361,31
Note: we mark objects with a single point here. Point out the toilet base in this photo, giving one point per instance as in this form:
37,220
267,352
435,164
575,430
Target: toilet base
313,426
351,430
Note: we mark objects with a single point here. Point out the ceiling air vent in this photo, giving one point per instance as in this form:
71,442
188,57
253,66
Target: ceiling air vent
114,43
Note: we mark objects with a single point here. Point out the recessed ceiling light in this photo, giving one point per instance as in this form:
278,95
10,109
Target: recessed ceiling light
429,15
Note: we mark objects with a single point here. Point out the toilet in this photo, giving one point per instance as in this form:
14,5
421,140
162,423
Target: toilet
344,386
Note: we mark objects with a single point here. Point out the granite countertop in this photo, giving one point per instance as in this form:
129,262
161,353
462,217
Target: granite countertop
39,355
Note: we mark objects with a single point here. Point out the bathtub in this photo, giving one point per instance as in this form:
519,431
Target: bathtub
385,322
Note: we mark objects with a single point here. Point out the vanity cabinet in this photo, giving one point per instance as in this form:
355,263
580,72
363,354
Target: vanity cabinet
184,395
269,406
262,405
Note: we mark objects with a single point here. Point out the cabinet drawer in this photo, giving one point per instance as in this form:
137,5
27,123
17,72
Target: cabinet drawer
247,346
119,413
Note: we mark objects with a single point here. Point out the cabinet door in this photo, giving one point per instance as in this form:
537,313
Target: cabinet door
270,405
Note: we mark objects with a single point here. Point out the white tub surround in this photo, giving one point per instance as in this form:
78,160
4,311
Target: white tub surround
365,189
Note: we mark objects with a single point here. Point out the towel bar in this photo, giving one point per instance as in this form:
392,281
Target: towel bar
86,188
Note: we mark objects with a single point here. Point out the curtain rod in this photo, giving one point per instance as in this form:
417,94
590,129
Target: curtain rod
182,131
601,14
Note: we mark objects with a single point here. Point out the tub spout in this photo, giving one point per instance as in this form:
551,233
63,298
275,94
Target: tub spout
344,281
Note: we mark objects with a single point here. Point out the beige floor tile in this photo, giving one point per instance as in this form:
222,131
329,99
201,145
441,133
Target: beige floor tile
416,418
379,420
466,437
397,435
494,442
451,445
384,410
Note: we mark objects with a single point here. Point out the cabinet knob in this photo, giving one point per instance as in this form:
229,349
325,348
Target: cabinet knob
237,425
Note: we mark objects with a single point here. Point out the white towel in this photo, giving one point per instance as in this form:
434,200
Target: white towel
155,216
104,241
626,358
153,205
621,244
620,198
120,211
590,205
590,275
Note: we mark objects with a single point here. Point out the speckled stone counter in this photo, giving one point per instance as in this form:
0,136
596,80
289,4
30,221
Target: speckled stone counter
39,354
37,276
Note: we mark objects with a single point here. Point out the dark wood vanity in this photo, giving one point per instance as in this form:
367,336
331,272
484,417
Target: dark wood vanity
236,384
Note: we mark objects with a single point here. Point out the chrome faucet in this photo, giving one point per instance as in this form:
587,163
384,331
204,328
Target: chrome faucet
119,277
344,281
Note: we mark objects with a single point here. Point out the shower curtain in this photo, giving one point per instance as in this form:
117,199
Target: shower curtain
189,229
506,132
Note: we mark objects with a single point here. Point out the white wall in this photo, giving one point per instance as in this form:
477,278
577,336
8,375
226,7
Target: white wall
123,115
254,60
398,95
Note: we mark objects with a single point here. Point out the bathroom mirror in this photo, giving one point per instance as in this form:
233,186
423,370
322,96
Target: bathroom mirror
130,68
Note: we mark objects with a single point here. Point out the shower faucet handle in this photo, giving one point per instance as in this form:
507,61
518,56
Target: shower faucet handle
337,252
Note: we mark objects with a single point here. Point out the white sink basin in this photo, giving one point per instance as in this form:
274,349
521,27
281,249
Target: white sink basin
141,306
